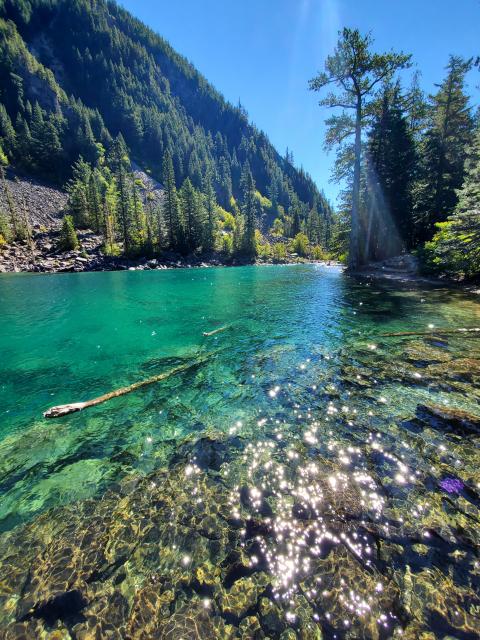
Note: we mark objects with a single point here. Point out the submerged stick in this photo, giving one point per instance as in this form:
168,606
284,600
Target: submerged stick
431,332
212,333
65,409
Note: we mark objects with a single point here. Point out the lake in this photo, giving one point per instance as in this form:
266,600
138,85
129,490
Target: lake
306,475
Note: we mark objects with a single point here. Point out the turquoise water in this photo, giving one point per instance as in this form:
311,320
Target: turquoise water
70,338
300,375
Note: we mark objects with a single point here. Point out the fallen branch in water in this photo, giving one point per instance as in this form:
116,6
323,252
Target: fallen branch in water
431,332
65,409
212,333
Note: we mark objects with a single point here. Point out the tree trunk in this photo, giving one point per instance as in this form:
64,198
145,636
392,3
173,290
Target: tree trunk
65,409
354,257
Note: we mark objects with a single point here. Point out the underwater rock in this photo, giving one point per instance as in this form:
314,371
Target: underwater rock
463,369
192,622
150,606
105,618
423,354
250,629
446,419
310,631
199,549
432,599
342,589
357,377
272,617
208,576
207,452
35,629
243,595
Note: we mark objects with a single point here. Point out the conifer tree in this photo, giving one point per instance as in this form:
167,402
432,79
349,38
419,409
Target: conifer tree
139,231
171,207
68,240
150,220
469,194
238,239
456,245
86,142
416,108
5,233
449,131
37,125
249,210
390,168
77,190
192,215
109,206
356,71
50,149
225,183
157,222
20,228
314,226
120,164
23,149
208,240
95,211
7,133
294,212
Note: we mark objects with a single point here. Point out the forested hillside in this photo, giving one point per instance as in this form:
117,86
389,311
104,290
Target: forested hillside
87,89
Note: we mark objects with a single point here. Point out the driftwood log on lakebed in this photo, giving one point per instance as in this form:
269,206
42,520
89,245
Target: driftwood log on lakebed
65,409
215,331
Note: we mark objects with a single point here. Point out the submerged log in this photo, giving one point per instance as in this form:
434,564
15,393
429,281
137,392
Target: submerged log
431,332
65,409
212,333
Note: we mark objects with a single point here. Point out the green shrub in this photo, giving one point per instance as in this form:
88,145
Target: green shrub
318,253
264,250
279,252
278,228
300,245
113,250
227,244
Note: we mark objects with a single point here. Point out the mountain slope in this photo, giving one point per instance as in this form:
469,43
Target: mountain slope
78,72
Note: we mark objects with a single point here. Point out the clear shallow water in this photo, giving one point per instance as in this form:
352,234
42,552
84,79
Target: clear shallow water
293,482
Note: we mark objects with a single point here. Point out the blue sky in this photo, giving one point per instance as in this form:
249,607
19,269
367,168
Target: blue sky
265,51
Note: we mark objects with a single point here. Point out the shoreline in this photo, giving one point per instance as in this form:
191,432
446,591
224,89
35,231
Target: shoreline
420,280
382,271
16,258
172,267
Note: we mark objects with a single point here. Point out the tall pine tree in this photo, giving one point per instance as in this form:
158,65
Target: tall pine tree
171,206
120,164
390,167
449,131
249,210
456,246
